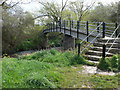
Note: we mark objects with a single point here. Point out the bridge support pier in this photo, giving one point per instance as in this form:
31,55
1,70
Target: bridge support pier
68,42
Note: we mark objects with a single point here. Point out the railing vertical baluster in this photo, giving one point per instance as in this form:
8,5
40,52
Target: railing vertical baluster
103,30
70,26
103,51
98,28
79,49
78,25
87,30
64,26
116,25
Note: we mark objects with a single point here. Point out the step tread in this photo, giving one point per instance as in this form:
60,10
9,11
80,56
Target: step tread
108,38
96,62
104,43
98,52
102,48
98,57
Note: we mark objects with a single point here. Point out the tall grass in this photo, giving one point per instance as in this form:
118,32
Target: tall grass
43,69
35,71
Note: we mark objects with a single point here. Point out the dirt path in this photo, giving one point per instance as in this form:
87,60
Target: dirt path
94,70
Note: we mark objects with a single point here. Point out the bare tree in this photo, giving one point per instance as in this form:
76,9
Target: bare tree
53,10
7,4
80,8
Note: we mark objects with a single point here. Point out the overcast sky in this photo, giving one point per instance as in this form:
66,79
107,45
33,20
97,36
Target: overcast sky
34,6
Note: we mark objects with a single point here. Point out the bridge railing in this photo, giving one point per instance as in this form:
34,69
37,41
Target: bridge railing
83,26
100,28
117,35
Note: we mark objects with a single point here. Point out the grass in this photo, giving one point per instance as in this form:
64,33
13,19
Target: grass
51,69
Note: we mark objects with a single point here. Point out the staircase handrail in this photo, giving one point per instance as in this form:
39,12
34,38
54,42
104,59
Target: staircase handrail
91,33
113,43
90,43
112,34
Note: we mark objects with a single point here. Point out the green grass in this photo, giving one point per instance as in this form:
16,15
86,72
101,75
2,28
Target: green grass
104,81
75,79
51,69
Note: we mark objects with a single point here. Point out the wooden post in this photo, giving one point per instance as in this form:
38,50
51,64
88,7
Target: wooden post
103,30
103,51
87,31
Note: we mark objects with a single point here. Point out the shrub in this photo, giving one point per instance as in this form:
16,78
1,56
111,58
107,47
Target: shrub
110,64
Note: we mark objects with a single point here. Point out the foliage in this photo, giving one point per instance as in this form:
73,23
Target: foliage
110,64
36,40
51,69
105,13
55,39
17,26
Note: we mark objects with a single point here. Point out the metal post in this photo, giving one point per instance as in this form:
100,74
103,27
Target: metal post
78,25
70,26
79,49
103,51
67,23
116,25
72,23
64,26
103,30
87,31
98,28
53,27
60,25
56,26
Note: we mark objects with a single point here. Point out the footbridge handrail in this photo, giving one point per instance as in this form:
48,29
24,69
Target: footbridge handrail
88,29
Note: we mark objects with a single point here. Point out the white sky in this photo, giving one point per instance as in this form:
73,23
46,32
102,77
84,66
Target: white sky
34,6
